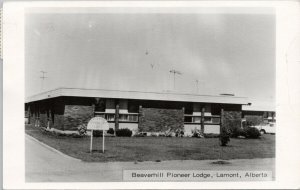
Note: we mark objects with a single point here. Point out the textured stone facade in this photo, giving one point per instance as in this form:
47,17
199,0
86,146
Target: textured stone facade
58,122
43,120
75,115
155,119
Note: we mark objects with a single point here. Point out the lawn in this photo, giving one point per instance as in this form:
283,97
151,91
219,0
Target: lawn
156,148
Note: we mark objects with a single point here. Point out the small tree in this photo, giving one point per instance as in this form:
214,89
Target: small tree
224,136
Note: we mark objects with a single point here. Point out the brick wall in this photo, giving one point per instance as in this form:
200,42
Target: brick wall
155,119
75,115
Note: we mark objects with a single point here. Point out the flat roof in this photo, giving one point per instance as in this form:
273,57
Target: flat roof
258,105
138,95
269,108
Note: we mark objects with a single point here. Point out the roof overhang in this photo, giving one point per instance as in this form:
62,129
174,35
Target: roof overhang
270,107
162,96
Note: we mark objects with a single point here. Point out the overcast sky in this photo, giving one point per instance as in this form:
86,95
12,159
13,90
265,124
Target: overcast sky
227,53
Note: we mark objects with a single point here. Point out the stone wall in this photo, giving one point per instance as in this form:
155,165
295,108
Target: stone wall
58,122
156,119
43,120
75,115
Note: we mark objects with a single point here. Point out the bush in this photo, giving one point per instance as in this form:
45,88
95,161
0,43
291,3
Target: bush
211,135
81,129
237,131
197,133
140,134
252,133
74,135
179,133
111,131
97,133
224,136
123,132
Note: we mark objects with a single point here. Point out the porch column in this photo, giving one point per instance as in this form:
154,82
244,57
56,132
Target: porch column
139,116
221,120
29,114
202,119
117,117
183,111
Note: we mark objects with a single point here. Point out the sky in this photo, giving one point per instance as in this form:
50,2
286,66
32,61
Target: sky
226,53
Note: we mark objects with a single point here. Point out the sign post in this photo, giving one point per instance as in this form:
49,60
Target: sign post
91,146
103,141
97,123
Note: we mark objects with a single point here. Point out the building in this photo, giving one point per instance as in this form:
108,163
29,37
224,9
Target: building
259,113
67,108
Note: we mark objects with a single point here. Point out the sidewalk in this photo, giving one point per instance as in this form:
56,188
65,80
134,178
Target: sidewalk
43,164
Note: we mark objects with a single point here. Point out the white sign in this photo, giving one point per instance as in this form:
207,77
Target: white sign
97,123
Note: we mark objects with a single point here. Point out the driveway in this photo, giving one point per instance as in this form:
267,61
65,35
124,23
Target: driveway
43,164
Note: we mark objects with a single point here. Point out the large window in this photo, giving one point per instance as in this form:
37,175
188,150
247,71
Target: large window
123,117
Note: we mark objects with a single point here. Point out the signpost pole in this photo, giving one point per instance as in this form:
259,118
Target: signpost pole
103,141
91,146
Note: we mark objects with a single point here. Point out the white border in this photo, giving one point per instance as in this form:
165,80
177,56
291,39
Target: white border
287,154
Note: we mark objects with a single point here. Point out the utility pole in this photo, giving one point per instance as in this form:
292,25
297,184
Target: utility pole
174,73
43,78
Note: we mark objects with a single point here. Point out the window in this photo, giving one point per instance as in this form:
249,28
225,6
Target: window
110,117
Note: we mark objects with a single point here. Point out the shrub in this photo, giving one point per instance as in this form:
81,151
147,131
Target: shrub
197,133
237,131
97,133
211,135
224,136
140,134
123,132
179,133
74,135
111,131
252,133
81,129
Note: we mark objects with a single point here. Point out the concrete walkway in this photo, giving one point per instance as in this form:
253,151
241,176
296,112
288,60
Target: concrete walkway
44,164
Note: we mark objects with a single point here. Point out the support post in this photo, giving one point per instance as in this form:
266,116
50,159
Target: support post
29,115
202,119
183,111
221,120
221,131
139,116
103,141
91,145
117,118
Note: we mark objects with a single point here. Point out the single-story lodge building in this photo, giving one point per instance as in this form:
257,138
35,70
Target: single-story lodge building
259,114
67,108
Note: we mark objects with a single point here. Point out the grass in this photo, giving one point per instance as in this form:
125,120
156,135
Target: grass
156,148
